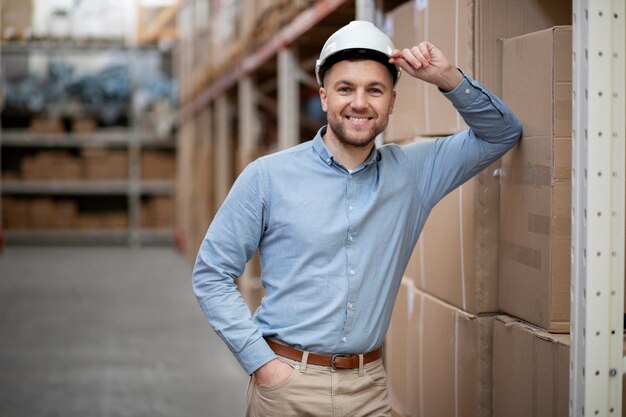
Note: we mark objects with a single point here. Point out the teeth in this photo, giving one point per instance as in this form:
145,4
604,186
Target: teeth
359,119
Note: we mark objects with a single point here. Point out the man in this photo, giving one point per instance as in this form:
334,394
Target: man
335,220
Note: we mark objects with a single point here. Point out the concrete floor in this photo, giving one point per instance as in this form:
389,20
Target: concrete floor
109,332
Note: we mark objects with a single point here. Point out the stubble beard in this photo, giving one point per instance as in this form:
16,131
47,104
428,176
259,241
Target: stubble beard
346,139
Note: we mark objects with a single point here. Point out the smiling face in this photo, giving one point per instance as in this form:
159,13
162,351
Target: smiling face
358,98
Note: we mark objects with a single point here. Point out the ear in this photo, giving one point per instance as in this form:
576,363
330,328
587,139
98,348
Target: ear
392,102
323,99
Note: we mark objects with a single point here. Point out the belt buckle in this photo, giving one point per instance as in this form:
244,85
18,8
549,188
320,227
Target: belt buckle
335,356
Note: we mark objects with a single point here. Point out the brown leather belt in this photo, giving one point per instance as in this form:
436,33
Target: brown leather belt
338,361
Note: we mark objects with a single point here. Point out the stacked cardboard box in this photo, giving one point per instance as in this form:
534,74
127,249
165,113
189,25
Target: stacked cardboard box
420,109
530,370
16,17
38,213
438,357
157,212
157,165
103,220
535,234
105,164
47,125
93,164
453,276
47,165
536,180
84,125
536,383
14,213
45,213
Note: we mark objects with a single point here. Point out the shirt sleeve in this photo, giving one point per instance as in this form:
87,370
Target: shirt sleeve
231,240
442,164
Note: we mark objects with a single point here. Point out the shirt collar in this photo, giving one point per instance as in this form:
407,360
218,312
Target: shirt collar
324,153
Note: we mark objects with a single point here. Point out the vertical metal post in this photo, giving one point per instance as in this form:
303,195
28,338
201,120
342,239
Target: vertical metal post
1,129
224,150
134,157
288,98
371,11
249,123
598,162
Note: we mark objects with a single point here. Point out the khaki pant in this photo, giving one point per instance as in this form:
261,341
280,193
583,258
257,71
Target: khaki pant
320,391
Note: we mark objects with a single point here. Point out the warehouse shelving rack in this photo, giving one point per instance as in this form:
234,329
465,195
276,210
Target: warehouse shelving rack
598,193
131,139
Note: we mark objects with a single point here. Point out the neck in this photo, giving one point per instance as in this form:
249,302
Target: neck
349,156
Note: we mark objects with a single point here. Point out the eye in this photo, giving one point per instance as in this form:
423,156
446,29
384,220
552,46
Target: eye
344,89
376,91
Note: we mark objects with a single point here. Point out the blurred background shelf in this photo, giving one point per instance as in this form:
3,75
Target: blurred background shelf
157,236
109,138
88,132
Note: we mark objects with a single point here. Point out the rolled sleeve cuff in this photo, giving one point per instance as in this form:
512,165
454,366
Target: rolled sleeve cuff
464,94
255,355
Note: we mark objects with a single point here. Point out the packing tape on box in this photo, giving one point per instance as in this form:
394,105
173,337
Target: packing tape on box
463,291
420,374
456,364
530,174
521,254
538,223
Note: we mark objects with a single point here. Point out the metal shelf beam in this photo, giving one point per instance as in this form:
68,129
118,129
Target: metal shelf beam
287,35
85,187
117,138
94,236
598,179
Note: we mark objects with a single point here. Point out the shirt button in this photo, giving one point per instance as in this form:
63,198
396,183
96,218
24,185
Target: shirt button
467,91
352,272
349,306
350,238
350,208
344,339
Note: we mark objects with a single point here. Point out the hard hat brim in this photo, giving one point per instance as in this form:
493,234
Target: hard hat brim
356,54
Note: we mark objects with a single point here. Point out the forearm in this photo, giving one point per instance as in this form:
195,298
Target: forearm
227,312
488,117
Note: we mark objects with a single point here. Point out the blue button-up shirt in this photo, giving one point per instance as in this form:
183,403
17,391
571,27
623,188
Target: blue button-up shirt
334,244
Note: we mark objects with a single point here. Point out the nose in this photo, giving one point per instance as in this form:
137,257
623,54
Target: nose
360,100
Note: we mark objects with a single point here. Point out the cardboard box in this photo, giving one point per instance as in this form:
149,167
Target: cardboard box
396,351
15,214
530,371
158,165
50,165
157,212
535,197
474,46
103,220
84,125
42,213
420,109
457,253
16,19
438,358
66,215
45,125
105,164
496,20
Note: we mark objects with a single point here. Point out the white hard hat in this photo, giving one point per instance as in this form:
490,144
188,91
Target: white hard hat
356,38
